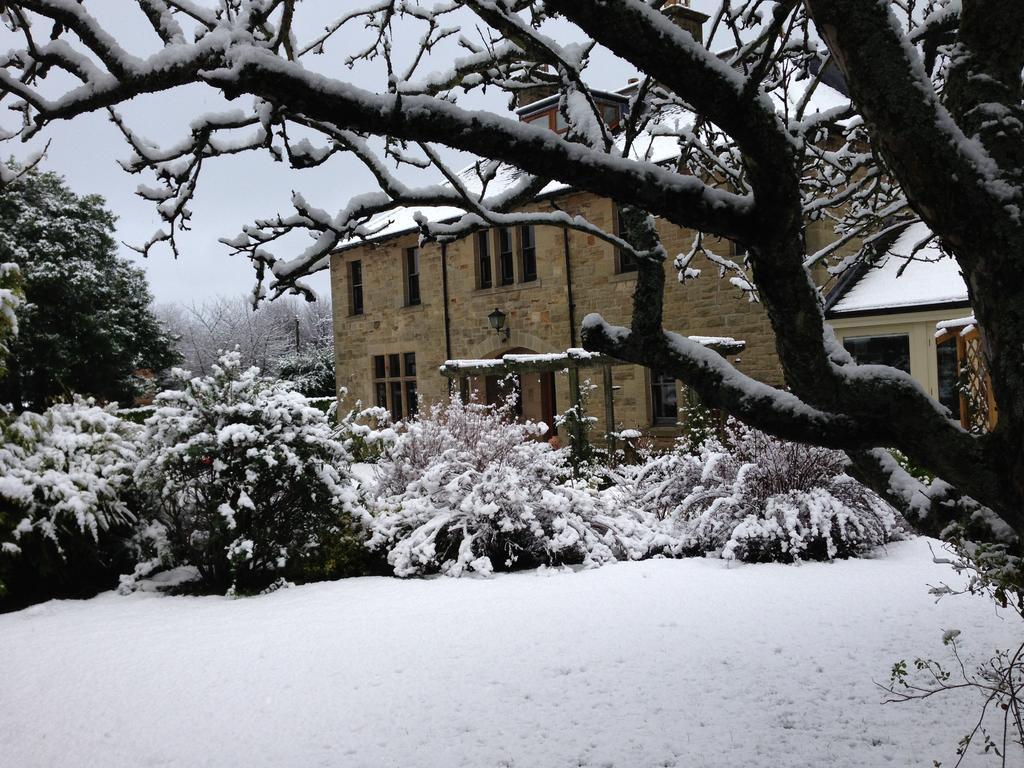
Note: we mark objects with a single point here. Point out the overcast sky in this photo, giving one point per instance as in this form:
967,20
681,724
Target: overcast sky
233,190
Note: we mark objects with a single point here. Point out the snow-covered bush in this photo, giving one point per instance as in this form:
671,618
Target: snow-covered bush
465,488
753,497
65,478
246,482
11,297
366,432
311,369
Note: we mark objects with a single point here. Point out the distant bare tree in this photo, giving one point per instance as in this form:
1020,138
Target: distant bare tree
265,337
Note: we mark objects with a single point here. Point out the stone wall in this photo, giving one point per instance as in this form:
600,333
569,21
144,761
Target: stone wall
538,315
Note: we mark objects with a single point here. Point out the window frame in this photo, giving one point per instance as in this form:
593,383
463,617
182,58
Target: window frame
656,382
483,260
500,256
399,379
871,336
356,296
625,263
952,397
527,275
411,260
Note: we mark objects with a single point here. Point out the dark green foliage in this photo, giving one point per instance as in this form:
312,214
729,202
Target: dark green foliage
86,326
311,369
246,482
65,502
39,573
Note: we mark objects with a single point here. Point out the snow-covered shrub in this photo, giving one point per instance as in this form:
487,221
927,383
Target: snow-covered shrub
578,425
465,488
756,498
366,432
246,482
11,297
311,369
65,477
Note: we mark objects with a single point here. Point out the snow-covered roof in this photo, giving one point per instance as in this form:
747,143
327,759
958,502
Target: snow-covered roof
647,146
930,279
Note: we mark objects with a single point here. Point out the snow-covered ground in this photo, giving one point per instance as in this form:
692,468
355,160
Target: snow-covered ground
662,663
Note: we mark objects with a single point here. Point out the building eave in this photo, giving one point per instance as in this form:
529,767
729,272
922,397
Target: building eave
383,240
900,310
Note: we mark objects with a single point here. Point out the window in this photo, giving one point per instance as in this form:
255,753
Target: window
394,384
412,276
396,400
506,260
624,260
528,249
611,113
880,350
664,406
541,119
483,259
411,399
949,376
355,281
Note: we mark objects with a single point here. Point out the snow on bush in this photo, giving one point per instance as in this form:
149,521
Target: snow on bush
366,432
11,298
246,482
64,477
756,498
465,488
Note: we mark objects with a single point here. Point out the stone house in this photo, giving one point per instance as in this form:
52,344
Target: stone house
402,310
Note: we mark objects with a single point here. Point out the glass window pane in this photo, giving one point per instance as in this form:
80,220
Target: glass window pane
412,276
505,257
483,251
411,401
356,282
664,405
949,376
378,367
625,261
880,350
527,240
410,363
394,365
396,400
382,394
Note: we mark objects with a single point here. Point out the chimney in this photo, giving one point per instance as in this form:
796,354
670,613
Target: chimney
534,93
686,18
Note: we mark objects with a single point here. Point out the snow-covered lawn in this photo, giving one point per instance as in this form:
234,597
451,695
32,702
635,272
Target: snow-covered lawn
661,663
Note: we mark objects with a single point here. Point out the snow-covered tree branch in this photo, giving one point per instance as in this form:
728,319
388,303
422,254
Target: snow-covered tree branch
932,131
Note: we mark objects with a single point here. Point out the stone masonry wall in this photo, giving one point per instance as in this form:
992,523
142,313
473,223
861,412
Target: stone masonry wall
538,311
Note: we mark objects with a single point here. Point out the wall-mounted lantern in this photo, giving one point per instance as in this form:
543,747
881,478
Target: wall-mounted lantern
497,321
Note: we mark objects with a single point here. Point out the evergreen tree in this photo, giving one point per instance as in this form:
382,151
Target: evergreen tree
86,326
